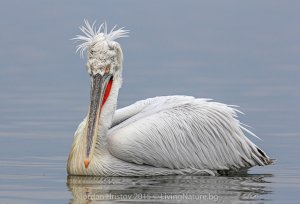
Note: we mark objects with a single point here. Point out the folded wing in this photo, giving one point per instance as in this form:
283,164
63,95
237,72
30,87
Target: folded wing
181,133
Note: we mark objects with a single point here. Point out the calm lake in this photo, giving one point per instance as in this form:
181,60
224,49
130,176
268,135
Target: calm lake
242,53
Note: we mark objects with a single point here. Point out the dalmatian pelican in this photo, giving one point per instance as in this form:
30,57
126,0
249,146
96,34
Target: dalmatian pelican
158,136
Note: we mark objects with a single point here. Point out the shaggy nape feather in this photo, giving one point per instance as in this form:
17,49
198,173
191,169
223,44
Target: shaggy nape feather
92,35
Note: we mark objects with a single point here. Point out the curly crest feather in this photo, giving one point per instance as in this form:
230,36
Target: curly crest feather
92,35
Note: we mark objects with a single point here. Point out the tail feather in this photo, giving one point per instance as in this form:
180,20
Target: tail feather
264,158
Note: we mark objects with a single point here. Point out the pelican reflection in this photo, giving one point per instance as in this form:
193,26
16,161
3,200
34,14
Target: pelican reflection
184,189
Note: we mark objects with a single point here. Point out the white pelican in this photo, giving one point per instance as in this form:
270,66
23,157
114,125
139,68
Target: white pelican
157,136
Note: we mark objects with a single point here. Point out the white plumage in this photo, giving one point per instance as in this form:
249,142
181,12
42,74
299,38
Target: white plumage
157,136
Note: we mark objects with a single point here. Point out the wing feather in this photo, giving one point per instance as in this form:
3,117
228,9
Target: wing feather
181,133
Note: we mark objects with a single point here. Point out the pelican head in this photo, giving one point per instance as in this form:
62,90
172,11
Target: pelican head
104,64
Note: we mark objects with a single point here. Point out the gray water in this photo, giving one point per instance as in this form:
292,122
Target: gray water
237,52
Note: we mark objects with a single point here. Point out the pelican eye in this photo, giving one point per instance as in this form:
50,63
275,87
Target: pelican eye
107,69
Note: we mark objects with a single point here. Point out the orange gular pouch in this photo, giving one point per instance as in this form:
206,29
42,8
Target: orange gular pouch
107,92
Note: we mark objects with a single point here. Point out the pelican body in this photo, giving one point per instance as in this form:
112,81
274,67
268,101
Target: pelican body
158,136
